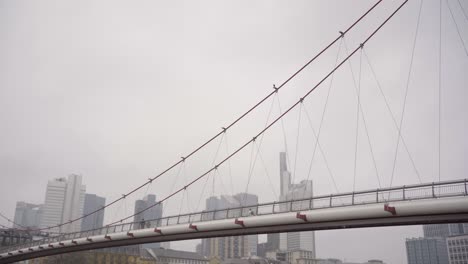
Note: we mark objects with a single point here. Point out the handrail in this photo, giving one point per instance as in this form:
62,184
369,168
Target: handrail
241,210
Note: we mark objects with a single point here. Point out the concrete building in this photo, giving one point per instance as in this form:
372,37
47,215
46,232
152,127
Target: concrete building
93,257
144,219
170,256
458,249
154,212
277,255
252,260
27,215
230,247
273,242
92,203
435,236
291,191
64,201
300,257
426,251
445,230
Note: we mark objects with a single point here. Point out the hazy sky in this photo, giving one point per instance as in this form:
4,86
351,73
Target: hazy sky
118,90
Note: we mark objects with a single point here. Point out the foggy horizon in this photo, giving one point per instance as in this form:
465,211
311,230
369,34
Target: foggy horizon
118,91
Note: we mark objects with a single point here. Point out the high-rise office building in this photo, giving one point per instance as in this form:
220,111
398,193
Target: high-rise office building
458,249
154,212
294,191
144,219
27,215
92,203
230,247
273,242
64,202
434,240
444,230
426,251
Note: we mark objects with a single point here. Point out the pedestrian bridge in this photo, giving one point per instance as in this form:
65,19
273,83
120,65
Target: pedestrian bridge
440,202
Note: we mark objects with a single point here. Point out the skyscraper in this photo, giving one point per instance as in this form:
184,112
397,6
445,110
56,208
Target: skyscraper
92,203
291,191
64,202
426,251
143,219
154,212
230,247
457,249
432,248
27,215
444,230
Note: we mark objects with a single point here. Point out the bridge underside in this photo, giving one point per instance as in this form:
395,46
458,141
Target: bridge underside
330,225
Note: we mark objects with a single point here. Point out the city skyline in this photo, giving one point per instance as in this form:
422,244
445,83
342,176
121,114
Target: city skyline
120,91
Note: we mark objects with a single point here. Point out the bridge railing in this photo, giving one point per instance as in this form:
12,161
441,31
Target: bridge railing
384,195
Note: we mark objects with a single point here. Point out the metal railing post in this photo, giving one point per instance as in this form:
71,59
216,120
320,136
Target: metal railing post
310,203
404,194
466,191
331,195
433,192
377,196
352,199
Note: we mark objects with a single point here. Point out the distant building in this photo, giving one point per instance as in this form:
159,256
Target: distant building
458,249
329,261
445,230
64,201
426,251
11,236
273,242
154,212
277,255
92,203
335,261
230,247
301,257
262,249
170,256
143,220
93,257
252,260
27,215
289,191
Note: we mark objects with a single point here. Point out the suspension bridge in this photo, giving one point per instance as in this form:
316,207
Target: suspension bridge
423,203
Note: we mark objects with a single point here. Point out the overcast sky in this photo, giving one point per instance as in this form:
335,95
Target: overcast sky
117,91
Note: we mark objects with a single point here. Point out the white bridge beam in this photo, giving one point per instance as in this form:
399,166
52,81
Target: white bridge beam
427,211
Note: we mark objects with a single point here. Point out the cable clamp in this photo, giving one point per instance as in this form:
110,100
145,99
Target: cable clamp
183,159
361,46
276,88
342,34
301,100
150,180
254,138
124,196
224,129
216,167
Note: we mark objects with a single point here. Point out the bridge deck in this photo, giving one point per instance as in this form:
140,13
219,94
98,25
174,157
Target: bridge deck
415,204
